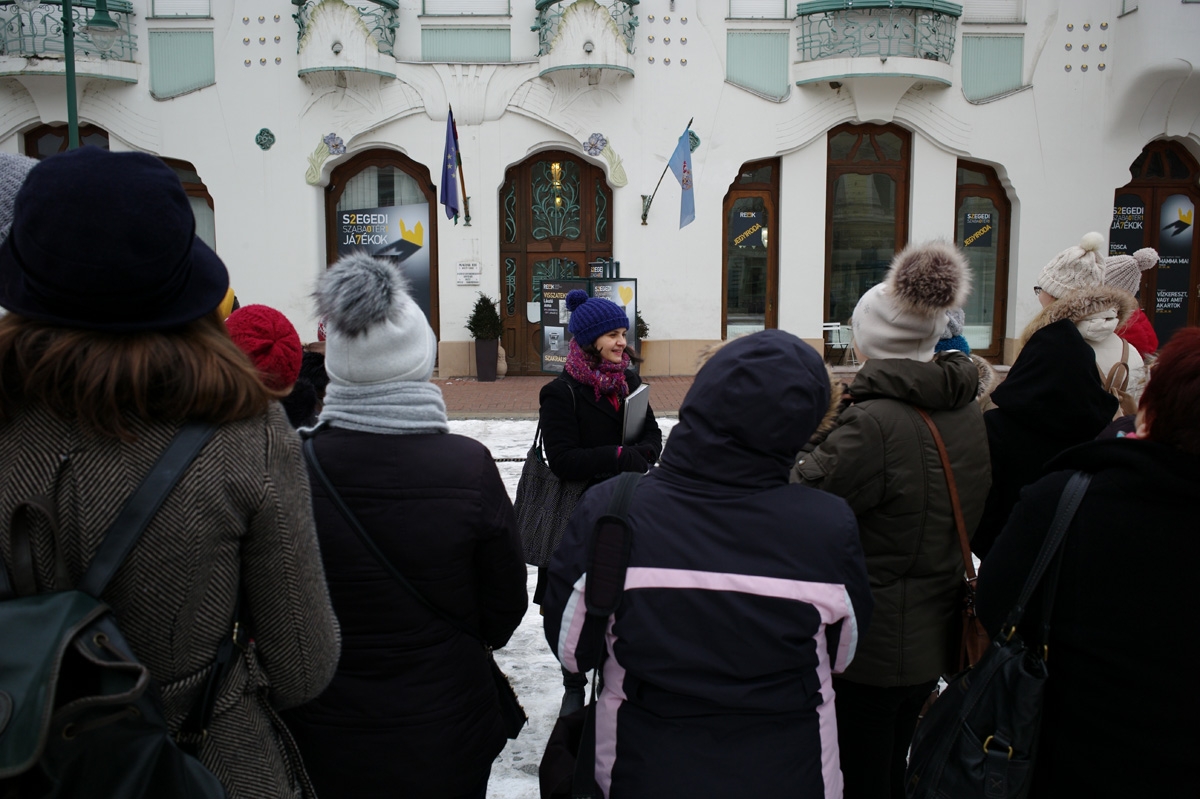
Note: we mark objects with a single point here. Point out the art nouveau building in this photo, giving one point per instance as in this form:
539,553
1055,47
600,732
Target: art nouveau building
831,133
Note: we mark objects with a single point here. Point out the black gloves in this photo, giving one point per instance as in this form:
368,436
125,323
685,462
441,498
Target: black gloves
630,460
647,452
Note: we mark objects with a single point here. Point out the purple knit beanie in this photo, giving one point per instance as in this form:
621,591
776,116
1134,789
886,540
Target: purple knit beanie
592,317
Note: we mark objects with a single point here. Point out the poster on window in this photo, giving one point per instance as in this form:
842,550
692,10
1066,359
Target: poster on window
396,232
555,317
1173,286
1127,232
747,229
977,230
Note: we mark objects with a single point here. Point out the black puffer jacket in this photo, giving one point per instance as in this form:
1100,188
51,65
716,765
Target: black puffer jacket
413,710
581,435
882,459
1052,399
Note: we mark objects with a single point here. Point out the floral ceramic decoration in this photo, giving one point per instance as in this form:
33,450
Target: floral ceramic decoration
595,144
335,144
265,139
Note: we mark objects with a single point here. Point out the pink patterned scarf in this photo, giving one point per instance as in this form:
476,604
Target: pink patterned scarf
605,377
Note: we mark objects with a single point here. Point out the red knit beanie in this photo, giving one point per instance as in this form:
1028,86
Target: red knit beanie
272,343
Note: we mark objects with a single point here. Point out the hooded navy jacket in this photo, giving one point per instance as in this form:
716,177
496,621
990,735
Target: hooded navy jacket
744,595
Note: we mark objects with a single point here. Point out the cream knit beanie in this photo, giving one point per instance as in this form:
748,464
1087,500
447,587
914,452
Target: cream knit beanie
1080,267
1125,271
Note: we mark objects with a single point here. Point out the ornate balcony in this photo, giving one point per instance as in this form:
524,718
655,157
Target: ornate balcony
586,39
337,36
32,42
878,28
891,44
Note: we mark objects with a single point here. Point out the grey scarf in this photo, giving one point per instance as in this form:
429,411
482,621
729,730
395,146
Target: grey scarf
397,408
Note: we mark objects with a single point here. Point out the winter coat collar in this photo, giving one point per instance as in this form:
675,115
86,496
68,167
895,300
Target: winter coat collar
1054,386
948,382
1154,468
1080,304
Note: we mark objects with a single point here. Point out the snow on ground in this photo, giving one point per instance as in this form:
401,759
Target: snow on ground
527,659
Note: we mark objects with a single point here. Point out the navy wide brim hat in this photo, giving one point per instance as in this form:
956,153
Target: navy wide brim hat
107,241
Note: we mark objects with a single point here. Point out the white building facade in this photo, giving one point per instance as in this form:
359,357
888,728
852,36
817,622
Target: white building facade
830,134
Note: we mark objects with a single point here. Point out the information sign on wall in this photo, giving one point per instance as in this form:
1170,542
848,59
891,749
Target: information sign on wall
396,232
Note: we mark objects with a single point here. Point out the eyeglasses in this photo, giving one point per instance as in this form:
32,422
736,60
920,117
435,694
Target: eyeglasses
1037,291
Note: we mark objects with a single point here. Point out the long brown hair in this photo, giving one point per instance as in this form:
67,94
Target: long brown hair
104,380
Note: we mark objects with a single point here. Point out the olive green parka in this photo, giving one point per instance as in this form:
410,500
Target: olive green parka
881,458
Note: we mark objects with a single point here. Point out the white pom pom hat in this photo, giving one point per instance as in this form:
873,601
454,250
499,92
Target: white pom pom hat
1079,267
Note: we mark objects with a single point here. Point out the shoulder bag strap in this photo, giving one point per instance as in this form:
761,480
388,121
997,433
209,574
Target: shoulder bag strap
1068,503
607,565
952,487
310,455
140,508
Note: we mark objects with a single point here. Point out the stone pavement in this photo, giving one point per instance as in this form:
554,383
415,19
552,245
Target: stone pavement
517,397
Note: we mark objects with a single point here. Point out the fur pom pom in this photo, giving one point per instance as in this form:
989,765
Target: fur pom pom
929,279
575,298
358,292
1146,258
1092,242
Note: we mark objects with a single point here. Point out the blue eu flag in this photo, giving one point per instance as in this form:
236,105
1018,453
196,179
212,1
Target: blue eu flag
450,170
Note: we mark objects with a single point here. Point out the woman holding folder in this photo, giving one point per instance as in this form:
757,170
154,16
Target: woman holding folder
582,416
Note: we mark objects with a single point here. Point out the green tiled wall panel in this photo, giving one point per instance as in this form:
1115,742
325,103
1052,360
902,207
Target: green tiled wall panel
991,65
465,45
180,62
758,60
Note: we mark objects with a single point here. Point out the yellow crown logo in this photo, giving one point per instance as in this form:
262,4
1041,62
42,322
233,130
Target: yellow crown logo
1186,218
416,235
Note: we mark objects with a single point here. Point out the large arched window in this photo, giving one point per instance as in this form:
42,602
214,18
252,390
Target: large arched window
1157,209
867,211
982,228
381,202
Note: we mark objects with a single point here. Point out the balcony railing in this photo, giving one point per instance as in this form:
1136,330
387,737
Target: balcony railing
550,12
379,17
878,28
40,32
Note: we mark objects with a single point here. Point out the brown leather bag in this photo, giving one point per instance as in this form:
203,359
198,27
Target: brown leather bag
969,639
1116,382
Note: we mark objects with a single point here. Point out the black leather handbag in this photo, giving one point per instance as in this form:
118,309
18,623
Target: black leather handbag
512,715
980,738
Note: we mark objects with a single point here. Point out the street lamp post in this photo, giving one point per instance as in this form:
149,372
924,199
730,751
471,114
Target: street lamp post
101,29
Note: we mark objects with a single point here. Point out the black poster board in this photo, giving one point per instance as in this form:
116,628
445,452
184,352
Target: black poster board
1127,232
1173,282
555,316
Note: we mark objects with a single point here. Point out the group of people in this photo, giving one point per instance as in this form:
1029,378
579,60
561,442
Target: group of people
794,571
795,578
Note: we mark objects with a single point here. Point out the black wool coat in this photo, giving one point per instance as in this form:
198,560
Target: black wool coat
412,710
581,436
1122,696
1051,400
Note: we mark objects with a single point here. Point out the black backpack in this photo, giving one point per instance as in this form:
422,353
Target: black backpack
79,715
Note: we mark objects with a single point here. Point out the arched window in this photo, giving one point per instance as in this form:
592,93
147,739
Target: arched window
381,202
750,278
867,211
1157,209
982,222
46,140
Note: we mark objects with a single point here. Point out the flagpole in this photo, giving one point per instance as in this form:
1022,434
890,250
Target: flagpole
462,181
646,201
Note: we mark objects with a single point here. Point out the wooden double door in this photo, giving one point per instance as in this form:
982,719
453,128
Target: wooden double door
555,219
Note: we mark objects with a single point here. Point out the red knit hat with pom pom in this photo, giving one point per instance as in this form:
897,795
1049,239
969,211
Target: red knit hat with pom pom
271,341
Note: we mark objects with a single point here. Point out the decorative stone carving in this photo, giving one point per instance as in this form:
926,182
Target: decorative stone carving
336,39
588,47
